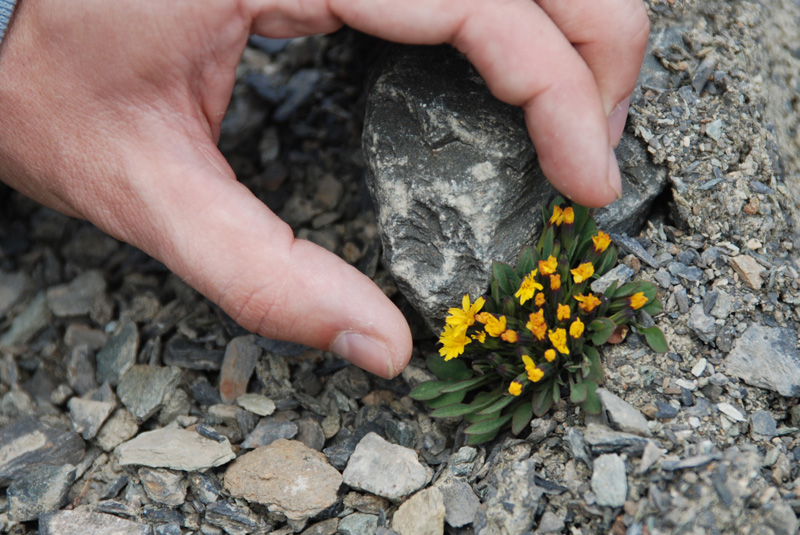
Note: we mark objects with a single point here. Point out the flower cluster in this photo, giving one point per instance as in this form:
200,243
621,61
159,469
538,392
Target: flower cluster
511,353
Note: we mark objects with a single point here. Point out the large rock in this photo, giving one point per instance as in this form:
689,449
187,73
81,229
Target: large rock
767,357
455,179
175,448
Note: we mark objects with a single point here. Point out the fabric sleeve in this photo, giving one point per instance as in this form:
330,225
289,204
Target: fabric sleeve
6,8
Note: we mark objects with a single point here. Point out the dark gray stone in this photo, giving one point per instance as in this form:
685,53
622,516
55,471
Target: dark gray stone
191,355
42,490
232,518
762,423
310,433
144,389
26,442
601,440
80,370
455,179
353,381
119,354
767,357
12,288
268,431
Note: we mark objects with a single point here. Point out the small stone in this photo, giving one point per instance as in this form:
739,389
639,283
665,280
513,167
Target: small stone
700,367
233,519
144,389
422,514
702,324
191,355
652,453
89,415
358,524
80,370
42,490
118,355
385,469
287,477
748,269
78,334
762,423
665,411
78,297
238,365
767,357
623,415
268,431
367,503
723,307
86,523
26,325
309,432
176,405
353,381
620,274
729,410
12,288
257,404
511,506
163,486
460,501
174,448
326,527
550,523
117,429
345,442
27,442
602,439
609,482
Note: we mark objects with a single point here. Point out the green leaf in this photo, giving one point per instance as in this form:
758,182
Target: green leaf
507,279
450,370
653,307
499,405
474,440
459,409
428,390
469,384
606,261
446,400
521,417
592,403
487,426
543,399
581,216
601,329
546,243
528,261
655,339
577,394
611,290
596,372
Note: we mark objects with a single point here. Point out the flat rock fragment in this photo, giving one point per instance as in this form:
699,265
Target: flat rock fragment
510,506
422,514
240,360
42,490
86,523
609,482
767,357
27,442
77,297
460,501
89,415
144,389
119,354
174,448
622,414
748,269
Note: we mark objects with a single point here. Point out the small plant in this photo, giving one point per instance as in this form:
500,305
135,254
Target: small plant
513,353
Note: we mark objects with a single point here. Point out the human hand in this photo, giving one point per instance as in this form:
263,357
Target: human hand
111,112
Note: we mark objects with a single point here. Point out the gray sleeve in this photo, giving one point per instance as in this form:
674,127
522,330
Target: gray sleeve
6,8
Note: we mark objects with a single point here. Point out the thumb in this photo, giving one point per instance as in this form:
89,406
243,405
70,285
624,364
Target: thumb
210,230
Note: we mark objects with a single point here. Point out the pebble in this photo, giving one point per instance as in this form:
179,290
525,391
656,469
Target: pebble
12,288
27,324
257,404
748,269
174,448
762,423
43,489
121,426
766,357
191,355
366,503
89,415
80,370
550,523
163,486
326,527
241,356
27,442
119,354
144,389
233,519
422,514
385,469
310,433
702,324
77,297
620,274
352,381
344,443
651,454
723,306
602,439
609,482
664,411
358,524
699,367
87,523
460,501
287,476
623,415
268,431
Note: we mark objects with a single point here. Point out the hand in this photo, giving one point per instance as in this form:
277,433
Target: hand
111,112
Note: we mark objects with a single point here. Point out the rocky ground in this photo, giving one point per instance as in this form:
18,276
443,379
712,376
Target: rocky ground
129,404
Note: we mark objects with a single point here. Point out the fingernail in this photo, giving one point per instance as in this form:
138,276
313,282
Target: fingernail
614,177
365,352
616,121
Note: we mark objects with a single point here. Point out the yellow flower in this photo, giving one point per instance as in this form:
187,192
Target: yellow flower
555,282
509,336
528,287
558,216
601,241
562,313
515,388
587,302
483,317
582,272
539,299
559,340
576,328
637,300
534,373
453,339
549,266
537,325
550,355
466,314
480,336
494,326
569,215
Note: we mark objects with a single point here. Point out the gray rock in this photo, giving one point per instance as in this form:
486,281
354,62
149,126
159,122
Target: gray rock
240,360
233,519
27,441
385,469
143,389
510,507
163,486
652,453
191,355
117,429
12,288
119,354
89,415
702,324
358,524
268,431
287,477
620,274
782,519
762,423
77,297
177,404
723,306
42,490
455,179
550,523
460,501
623,415
33,319
80,370
174,448
766,357
86,523
310,433
353,381
422,514
601,439
609,482
256,403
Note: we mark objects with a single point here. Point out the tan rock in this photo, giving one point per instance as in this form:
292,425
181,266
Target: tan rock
286,476
422,514
748,269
